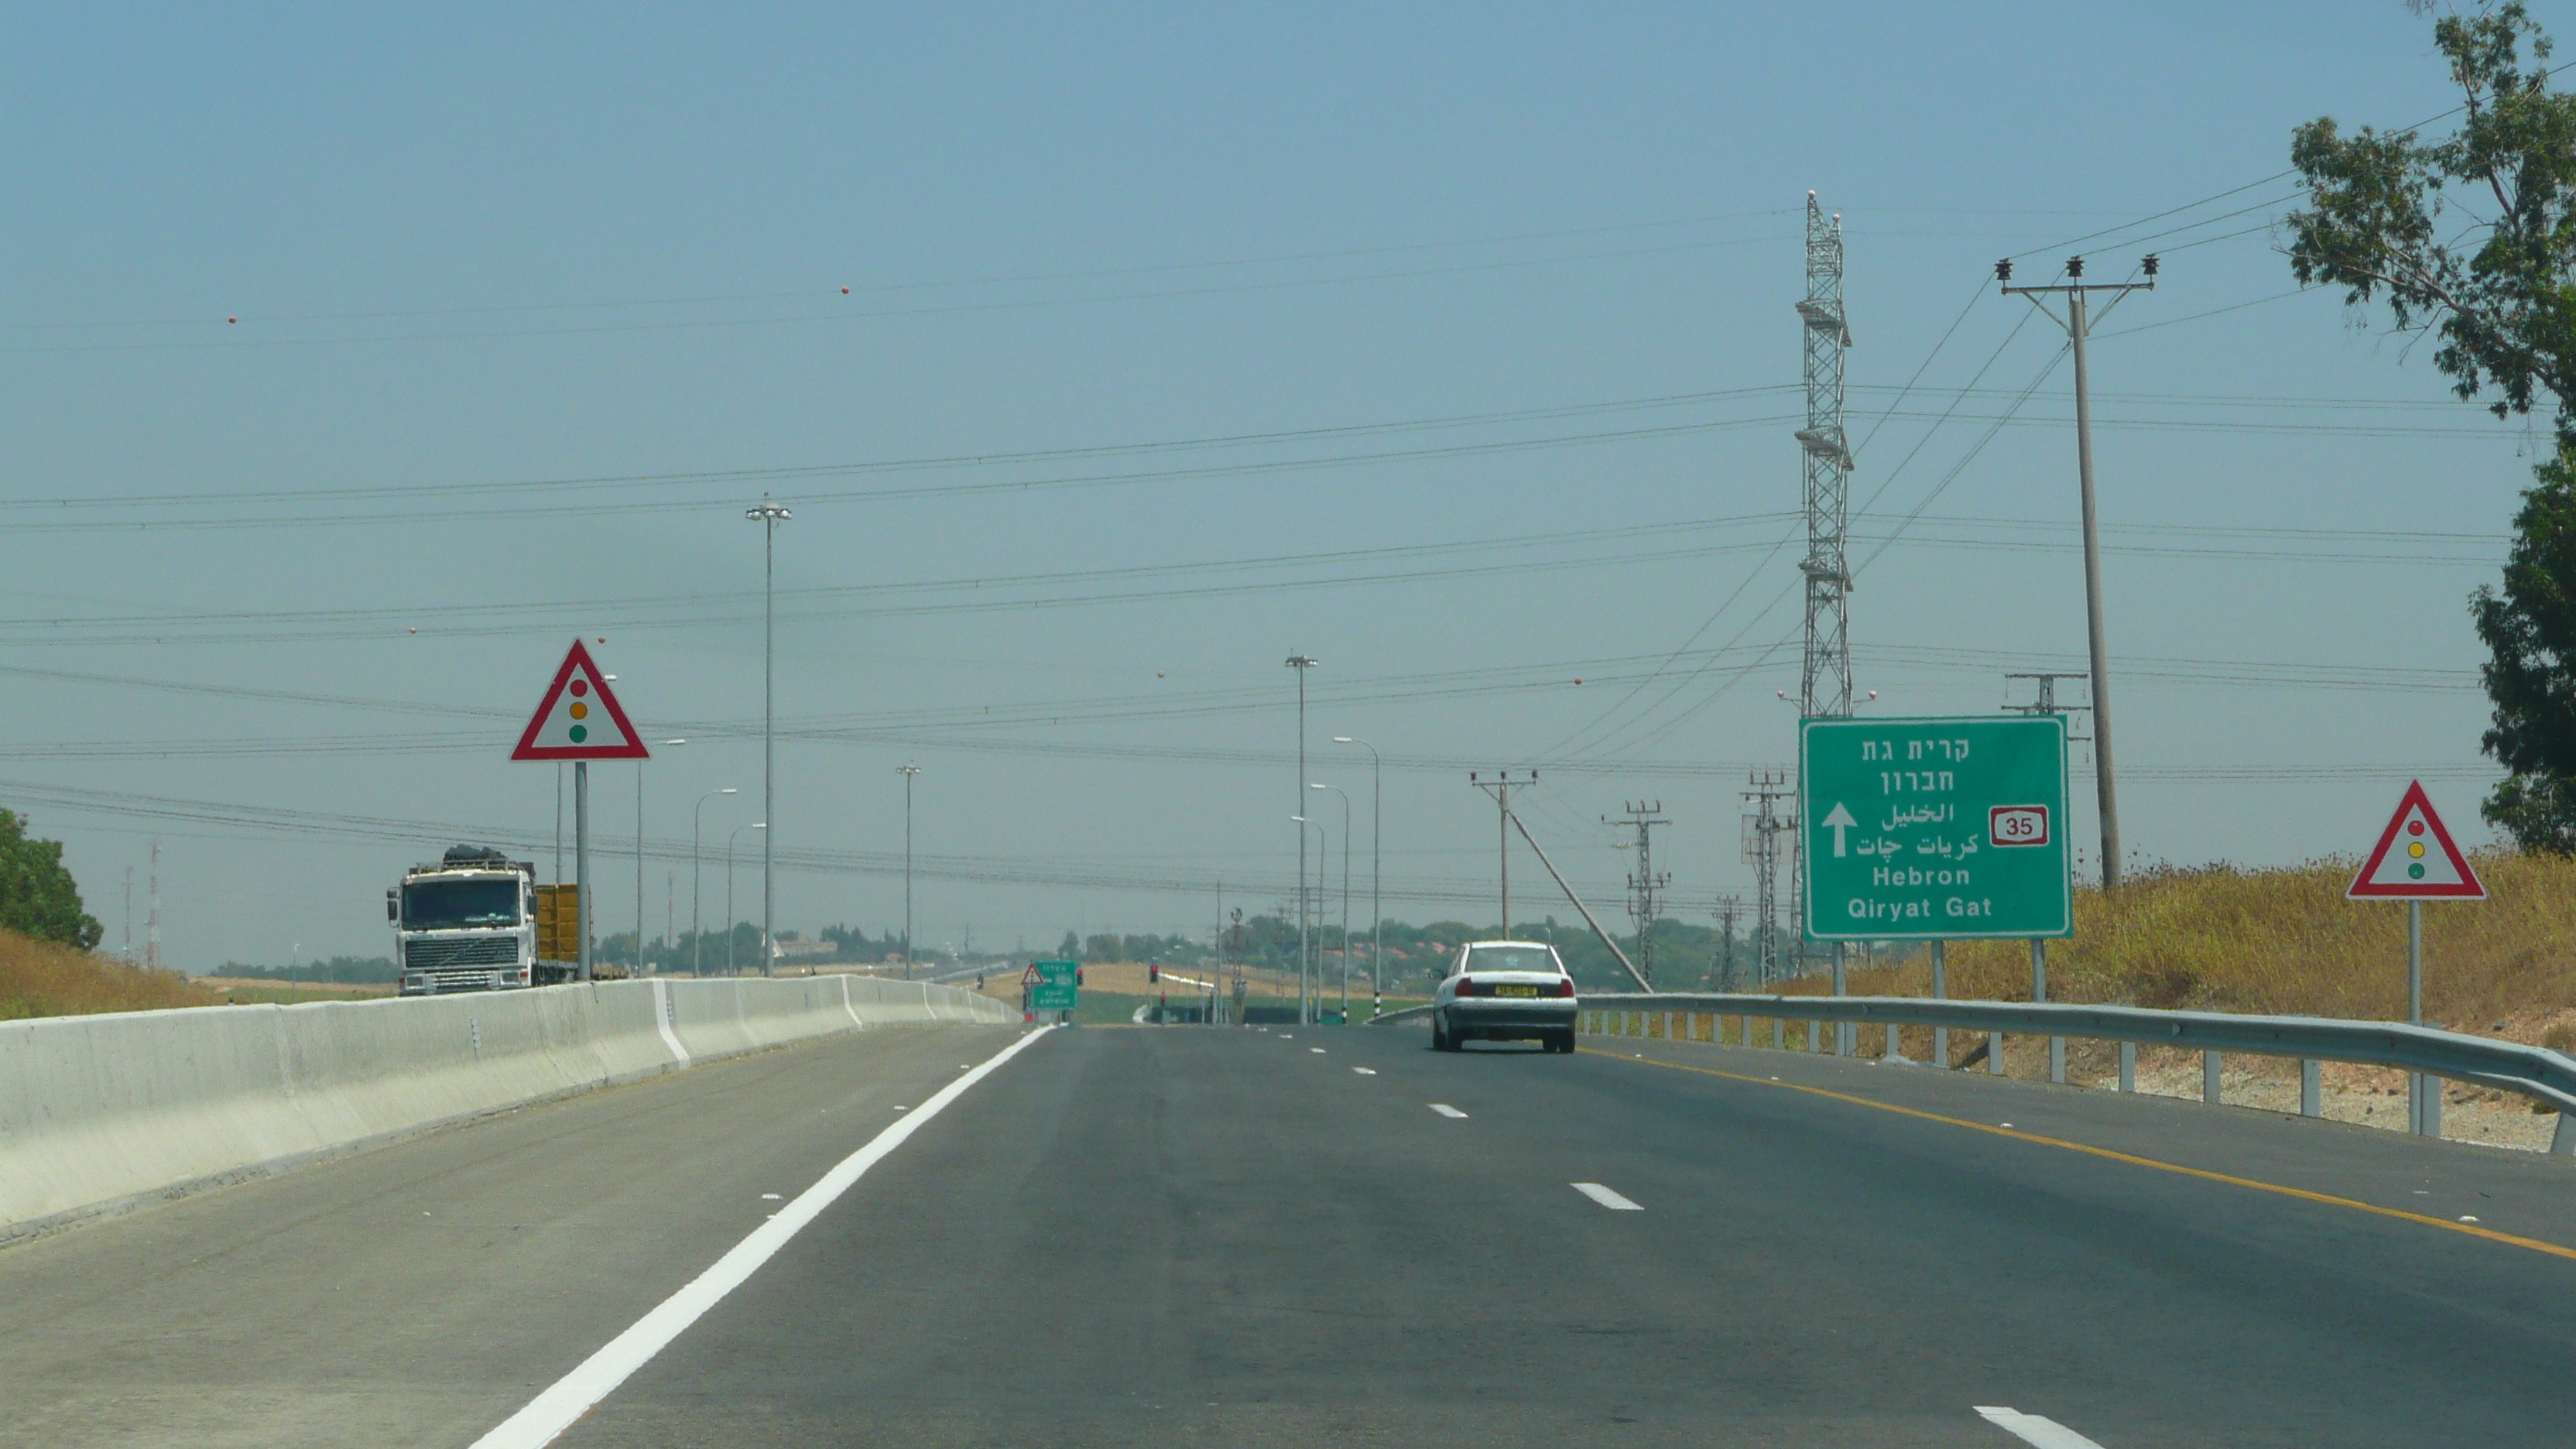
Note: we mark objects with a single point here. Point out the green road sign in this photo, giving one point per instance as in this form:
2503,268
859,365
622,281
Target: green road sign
1059,986
1932,829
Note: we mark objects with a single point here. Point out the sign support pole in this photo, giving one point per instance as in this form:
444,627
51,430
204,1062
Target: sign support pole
2415,1082
581,859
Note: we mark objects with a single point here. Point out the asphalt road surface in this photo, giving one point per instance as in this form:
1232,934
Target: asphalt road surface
1144,1237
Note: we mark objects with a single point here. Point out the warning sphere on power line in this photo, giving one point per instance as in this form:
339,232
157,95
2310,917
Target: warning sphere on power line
580,718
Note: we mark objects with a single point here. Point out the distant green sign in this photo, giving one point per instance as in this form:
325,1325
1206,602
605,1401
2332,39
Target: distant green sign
1058,987
1933,829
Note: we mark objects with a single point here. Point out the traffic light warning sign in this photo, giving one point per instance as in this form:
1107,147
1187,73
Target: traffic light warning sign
2415,858
580,719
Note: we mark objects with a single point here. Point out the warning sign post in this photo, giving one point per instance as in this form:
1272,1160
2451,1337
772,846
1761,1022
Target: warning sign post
2417,861
580,720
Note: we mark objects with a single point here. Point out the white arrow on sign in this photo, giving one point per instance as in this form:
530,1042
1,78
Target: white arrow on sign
1838,822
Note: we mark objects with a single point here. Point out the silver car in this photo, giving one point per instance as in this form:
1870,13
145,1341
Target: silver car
1505,991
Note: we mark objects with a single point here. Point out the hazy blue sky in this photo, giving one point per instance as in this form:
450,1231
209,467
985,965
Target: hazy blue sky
479,255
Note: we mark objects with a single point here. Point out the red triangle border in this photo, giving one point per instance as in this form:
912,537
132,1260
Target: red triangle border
528,748
2469,888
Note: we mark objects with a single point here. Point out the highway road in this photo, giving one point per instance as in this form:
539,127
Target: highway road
1149,1237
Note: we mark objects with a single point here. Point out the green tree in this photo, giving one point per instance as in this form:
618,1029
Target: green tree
2472,238
37,896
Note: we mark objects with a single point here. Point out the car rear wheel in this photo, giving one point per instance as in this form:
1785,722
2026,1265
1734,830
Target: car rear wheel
1439,1036
1562,1041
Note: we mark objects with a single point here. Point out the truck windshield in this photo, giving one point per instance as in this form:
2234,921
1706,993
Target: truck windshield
446,905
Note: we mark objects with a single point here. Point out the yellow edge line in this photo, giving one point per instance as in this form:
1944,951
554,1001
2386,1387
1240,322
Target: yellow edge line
2472,1229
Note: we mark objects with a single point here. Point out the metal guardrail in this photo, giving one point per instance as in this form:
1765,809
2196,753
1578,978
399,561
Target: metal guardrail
2544,1076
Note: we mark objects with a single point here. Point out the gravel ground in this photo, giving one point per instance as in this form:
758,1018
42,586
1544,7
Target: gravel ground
2353,1094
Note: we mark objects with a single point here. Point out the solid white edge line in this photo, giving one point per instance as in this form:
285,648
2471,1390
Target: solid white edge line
1605,1197
2033,1429
576,1393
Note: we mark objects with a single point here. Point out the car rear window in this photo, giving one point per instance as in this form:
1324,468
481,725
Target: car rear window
1512,958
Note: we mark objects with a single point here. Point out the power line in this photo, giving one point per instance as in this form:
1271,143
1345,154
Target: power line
1091,274
821,318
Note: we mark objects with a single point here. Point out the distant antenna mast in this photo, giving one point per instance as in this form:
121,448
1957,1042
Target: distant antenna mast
1824,678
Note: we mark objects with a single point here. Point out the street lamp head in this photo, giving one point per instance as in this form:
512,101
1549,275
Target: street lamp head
1344,740
1311,785
1300,661
768,513
728,790
1300,819
675,742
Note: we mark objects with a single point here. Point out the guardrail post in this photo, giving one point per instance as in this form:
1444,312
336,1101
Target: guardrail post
1815,1036
1779,1034
1895,1045
1668,1026
2310,1074
2209,1078
2562,1141
2057,1060
2432,1118
1995,1053
2128,1066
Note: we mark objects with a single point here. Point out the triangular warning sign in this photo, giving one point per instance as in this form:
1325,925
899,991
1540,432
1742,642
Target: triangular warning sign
580,719
2416,859
1032,976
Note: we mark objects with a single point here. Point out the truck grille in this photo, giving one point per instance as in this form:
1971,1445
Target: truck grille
441,955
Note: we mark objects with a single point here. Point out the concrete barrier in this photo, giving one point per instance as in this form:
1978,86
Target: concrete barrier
99,1114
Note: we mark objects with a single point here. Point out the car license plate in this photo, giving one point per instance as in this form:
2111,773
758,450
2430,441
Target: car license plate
1516,991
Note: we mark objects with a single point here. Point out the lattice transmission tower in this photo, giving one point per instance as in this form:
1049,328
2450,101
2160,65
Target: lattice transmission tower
1763,827
1824,677
1645,883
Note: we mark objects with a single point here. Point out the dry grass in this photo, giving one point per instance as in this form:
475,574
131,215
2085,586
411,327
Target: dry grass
40,978
2220,938
259,991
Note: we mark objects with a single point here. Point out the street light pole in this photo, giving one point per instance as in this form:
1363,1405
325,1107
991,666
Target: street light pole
697,933
769,516
639,860
763,827
1301,664
908,772
1304,999
1346,897
1377,862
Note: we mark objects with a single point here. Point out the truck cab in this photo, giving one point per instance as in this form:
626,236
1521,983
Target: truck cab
466,922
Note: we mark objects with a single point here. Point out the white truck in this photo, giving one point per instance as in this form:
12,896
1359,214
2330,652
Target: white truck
468,922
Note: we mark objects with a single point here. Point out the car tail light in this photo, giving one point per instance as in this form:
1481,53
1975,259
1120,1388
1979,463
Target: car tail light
1466,986
1565,986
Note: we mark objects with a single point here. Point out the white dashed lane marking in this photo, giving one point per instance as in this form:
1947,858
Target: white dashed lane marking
1445,1110
2032,1429
1365,1071
1605,1197
1319,1051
